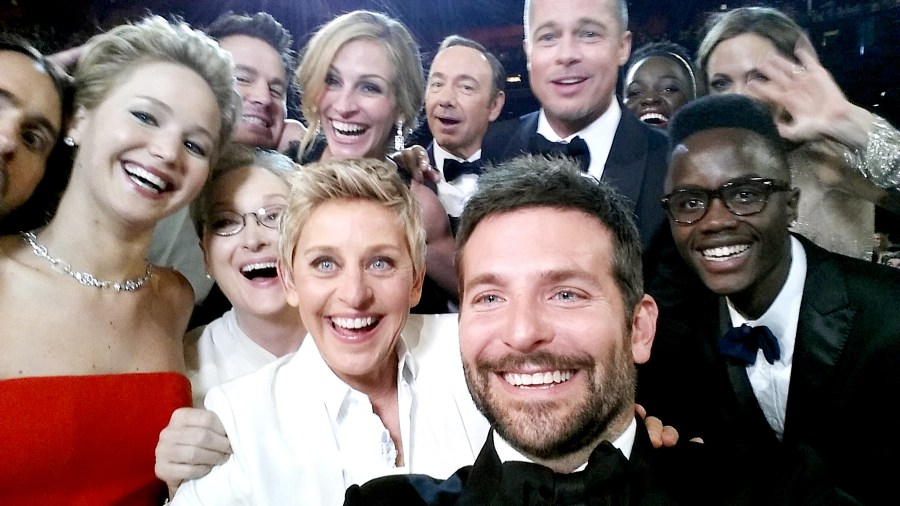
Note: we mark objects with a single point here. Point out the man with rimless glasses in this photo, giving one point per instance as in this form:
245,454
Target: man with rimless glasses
795,348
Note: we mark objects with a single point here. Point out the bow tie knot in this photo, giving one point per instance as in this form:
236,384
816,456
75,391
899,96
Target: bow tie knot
742,344
454,169
576,148
607,472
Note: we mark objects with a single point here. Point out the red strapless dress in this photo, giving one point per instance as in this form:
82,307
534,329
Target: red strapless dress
85,440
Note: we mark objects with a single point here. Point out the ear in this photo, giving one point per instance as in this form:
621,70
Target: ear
206,262
287,282
792,204
643,328
625,48
77,126
415,292
497,106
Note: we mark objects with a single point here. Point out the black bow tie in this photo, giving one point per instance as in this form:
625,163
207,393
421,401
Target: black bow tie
742,343
606,475
576,148
454,168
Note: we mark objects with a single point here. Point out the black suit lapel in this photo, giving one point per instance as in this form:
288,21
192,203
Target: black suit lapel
627,159
748,414
826,319
430,151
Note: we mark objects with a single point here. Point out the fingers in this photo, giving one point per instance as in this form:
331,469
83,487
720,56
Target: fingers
640,411
669,436
654,430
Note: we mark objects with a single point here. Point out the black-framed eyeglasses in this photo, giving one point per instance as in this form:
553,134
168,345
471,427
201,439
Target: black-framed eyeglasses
743,197
227,223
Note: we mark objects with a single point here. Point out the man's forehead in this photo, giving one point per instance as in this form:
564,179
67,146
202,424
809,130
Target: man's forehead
474,57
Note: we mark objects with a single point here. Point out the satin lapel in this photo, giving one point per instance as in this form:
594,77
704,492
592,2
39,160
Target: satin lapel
826,319
627,159
482,485
749,413
430,151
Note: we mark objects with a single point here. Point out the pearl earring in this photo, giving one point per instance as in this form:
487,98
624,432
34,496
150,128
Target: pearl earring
69,141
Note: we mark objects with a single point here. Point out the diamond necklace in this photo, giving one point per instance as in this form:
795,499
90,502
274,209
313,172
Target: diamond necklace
86,279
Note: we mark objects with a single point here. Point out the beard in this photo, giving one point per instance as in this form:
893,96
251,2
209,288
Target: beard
552,429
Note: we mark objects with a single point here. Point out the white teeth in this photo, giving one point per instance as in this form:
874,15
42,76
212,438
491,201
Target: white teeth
258,265
538,378
570,81
652,117
145,178
354,323
256,120
724,252
348,128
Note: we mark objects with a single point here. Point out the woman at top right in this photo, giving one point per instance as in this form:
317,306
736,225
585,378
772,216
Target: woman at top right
845,160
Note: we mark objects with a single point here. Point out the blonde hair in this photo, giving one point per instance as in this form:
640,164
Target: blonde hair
112,56
352,179
407,80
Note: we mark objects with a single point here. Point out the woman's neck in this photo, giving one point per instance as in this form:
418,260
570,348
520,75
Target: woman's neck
279,334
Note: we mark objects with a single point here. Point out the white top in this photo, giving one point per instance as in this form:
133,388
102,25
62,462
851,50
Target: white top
291,425
623,443
454,194
770,382
175,244
224,352
598,135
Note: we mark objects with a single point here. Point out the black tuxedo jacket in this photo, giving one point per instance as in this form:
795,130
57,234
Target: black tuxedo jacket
689,474
636,165
844,380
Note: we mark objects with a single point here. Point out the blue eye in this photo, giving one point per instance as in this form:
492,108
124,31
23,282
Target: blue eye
145,117
324,264
195,148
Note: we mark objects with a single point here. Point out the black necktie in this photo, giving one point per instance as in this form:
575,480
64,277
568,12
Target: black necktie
606,476
742,343
576,148
454,168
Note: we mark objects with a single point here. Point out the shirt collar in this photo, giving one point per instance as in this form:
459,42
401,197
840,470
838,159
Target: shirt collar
598,135
335,392
506,452
441,154
786,305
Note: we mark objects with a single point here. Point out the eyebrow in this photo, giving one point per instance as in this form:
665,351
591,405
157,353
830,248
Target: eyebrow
39,119
547,276
159,103
255,72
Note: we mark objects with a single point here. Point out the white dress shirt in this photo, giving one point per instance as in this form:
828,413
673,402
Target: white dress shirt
454,194
292,425
770,382
598,135
224,352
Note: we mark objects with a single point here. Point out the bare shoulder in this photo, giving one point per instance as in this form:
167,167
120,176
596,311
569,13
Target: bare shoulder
175,297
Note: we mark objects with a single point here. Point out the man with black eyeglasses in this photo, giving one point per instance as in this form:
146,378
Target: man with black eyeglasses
795,347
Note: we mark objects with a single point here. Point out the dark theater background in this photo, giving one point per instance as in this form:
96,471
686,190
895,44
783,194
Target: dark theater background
859,42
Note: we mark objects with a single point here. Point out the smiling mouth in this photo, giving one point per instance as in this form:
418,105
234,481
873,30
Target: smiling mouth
654,119
570,80
538,379
145,179
255,121
355,324
258,270
723,253
348,129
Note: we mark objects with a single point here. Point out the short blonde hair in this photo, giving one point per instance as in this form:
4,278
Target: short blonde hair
112,56
408,81
352,179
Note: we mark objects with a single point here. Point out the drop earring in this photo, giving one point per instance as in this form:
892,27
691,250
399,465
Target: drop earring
399,141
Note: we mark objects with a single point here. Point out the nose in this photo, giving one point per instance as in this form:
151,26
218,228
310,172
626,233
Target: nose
447,96
257,92
9,135
255,236
165,145
568,50
355,290
718,217
345,104
650,98
527,325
